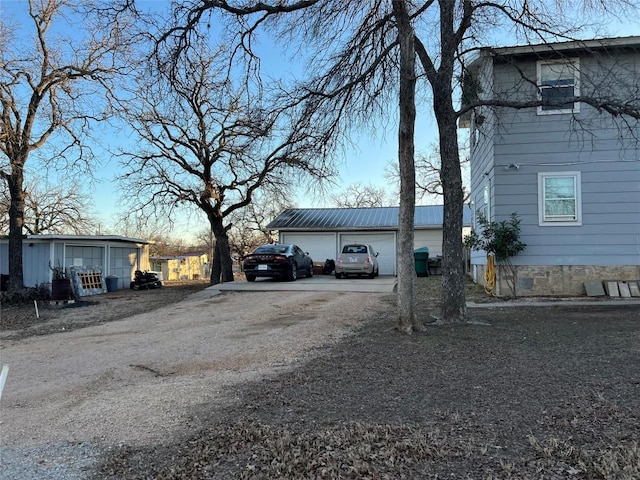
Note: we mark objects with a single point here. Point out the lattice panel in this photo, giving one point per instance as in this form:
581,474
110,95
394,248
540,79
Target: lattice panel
90,280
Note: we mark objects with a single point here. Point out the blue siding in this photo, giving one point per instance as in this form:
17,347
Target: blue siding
35,260
602,148
4,258
120,264
39,253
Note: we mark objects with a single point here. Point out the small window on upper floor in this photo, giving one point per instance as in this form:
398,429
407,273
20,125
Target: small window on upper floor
559,201
558,80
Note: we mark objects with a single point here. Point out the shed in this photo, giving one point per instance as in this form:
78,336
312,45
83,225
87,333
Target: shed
116,255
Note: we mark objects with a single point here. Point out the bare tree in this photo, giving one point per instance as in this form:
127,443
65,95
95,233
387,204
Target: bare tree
359,195
164,245
207,242
407,318
428,183
52,209
355,77
209,144
249,224
50,90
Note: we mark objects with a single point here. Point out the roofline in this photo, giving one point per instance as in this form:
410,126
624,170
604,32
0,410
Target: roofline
495,53
112,238
597,43
552,47
178,257
361,208
357,229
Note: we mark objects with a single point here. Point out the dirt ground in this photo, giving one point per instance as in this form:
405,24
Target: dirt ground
322,386
52,317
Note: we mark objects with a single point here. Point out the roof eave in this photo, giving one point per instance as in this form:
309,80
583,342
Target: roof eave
111,238
575,45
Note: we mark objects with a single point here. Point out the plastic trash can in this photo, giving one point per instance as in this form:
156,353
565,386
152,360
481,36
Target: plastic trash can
421,257
112,283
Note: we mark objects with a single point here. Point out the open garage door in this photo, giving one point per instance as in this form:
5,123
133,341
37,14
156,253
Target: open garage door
384,243
432,239
319,245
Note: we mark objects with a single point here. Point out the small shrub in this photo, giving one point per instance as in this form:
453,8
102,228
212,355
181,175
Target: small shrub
24,295
500,239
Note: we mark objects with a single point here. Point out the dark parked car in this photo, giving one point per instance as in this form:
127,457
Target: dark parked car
277,260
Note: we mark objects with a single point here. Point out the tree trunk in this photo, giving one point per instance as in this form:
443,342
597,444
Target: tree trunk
407,318
16,222
454,307
216,268
222,264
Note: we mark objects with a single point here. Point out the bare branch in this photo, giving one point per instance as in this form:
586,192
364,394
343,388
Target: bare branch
50,88
213,145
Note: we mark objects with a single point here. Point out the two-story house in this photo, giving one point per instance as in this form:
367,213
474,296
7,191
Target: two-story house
570,170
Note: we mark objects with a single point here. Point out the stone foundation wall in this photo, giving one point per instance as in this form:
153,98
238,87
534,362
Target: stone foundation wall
566,280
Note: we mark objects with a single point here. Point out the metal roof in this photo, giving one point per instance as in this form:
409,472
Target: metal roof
632,42
70,237
375,218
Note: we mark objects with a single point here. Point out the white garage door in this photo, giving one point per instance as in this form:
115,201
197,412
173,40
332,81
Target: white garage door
429,238
319,245
384,243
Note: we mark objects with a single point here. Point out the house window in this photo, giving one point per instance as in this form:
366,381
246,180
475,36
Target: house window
559,198
482,206
558,80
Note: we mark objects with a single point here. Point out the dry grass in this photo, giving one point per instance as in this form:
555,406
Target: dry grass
20,320
547,393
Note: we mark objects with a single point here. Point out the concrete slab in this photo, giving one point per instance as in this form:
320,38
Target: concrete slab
612,288
623,288
634,289
320,283
594,288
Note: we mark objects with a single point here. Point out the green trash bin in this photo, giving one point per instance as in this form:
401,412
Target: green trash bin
421,257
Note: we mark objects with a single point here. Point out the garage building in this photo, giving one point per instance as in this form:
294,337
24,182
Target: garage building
323,231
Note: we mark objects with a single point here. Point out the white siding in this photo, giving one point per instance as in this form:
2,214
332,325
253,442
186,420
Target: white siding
429,238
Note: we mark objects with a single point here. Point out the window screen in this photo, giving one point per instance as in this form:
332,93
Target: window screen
558,81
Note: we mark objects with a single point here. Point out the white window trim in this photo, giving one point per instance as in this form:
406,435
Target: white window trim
576,86
559,223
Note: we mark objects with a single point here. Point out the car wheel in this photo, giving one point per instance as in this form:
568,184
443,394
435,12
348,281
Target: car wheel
372,274
293,275
135,286
159,284
251,278
338,275
310,271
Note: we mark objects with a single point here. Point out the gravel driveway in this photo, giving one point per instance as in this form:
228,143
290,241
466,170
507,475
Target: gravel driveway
291,385
71,394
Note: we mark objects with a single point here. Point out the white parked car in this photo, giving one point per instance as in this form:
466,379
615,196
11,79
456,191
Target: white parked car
357,259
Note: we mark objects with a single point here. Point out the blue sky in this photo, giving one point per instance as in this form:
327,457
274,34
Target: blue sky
365,163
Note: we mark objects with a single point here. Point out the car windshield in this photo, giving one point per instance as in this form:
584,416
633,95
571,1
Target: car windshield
354,249
278,249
